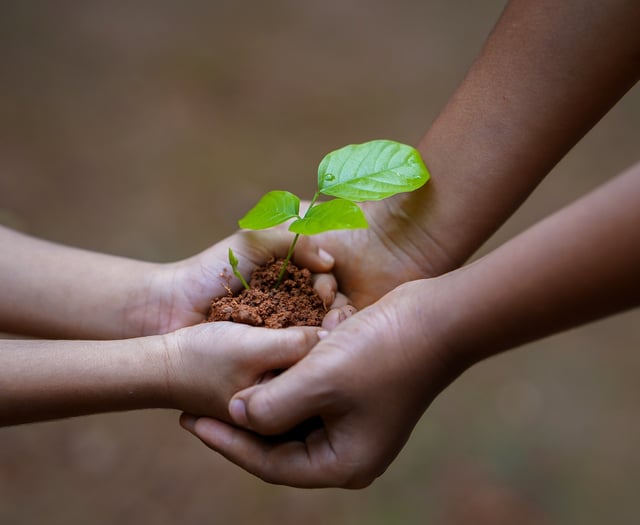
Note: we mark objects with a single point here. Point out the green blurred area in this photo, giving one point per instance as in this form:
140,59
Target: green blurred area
147,129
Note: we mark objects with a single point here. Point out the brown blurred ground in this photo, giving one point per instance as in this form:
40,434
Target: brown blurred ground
147,129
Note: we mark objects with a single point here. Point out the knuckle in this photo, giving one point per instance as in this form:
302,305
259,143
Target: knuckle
301,339
361,471
260,413
359,480
267,476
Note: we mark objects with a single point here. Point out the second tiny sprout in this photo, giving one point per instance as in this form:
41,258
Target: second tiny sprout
370,171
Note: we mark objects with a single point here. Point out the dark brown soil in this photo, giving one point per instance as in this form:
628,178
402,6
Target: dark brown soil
293,303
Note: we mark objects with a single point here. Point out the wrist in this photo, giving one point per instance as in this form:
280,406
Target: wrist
165,361
406,229
147,309
131,373
430,307
470,320
155,369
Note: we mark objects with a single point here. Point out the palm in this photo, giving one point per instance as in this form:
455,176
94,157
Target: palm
181,292
369,263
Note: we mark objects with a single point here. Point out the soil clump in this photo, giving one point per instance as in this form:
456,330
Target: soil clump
293,303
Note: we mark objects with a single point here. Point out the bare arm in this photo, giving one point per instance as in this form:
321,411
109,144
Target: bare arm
578,265
547,73
57,291
43,380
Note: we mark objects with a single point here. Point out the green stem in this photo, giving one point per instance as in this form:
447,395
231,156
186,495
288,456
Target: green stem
286,261
313,201
242,279
293,244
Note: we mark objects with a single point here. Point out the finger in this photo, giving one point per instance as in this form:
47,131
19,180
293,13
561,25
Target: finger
258,246
340,301
266,377
188,421
309,464
281,349
275,407
336,315
326,287
309,255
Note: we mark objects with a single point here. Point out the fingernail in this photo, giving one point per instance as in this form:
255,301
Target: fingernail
238,412
328,301
322,334
188,422
326,257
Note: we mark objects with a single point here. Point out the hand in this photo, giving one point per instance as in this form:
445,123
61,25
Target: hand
208,363
393,250
369,380
178,294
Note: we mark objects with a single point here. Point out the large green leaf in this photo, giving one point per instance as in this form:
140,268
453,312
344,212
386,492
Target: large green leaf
371,171
272,209
336,214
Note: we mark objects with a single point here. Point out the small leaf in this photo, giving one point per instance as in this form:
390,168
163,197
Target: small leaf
233,260
336,214
272,209
371,171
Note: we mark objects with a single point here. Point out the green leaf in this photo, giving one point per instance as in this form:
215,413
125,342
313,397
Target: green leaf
371,171
233,260
336,214
272,209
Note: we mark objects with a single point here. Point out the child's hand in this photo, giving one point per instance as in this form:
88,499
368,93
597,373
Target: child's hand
178,294
208,363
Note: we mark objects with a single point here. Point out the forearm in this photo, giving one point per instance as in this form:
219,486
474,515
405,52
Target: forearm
578,265
548,72
42,380
57,291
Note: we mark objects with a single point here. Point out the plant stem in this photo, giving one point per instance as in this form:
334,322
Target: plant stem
313,201
242,280
293,243
286,261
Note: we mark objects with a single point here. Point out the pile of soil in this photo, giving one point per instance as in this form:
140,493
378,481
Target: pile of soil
293,303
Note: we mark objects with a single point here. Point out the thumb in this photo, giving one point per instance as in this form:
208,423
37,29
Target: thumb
259,246
278,405
310,255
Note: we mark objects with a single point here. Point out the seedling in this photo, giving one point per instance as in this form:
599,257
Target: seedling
233,261
371,171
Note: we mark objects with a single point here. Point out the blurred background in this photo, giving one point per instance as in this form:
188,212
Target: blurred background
146,129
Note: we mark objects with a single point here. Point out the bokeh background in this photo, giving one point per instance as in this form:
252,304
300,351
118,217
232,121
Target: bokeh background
145,129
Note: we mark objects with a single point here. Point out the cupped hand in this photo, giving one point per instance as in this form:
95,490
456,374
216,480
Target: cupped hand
178,294
393,250
208,363
369,381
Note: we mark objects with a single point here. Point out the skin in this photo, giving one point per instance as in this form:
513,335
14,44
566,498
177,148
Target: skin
546,75
372,378
196,369
56,291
